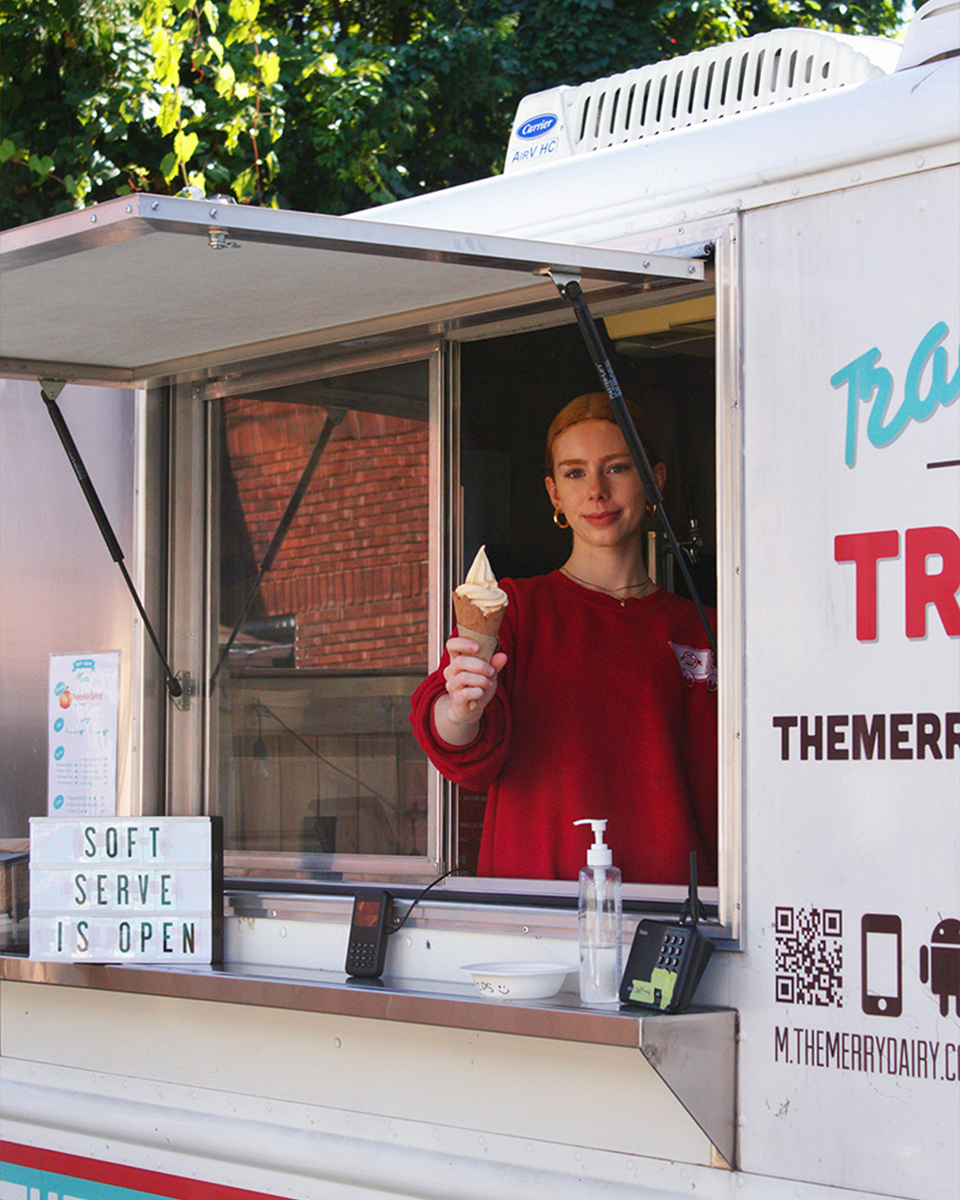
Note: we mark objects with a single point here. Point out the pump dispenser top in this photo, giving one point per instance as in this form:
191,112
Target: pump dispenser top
599,854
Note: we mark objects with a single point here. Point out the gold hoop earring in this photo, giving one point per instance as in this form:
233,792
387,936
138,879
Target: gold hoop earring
557,514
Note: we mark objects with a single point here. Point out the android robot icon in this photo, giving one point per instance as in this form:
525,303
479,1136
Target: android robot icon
940,964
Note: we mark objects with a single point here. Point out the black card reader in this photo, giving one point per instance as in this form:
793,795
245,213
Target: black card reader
369,929
666,961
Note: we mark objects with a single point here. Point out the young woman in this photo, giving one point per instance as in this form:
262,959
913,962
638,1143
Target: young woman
602,699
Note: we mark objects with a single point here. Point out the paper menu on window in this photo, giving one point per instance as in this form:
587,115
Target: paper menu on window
83,707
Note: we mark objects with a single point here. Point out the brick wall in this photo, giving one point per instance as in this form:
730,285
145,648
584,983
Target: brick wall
353,566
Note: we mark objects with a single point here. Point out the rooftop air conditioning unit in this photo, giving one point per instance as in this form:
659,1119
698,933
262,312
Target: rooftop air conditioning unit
709,85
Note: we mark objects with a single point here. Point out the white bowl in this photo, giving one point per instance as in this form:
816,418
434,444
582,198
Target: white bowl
519,980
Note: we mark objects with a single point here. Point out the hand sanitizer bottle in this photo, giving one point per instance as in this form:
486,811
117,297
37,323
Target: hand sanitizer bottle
600,922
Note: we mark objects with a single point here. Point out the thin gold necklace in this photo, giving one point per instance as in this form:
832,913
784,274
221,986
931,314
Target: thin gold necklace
647,585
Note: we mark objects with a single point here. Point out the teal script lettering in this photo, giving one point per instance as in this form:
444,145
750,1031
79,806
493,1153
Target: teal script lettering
867,381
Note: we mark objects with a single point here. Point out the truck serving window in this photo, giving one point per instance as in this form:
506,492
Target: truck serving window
342,512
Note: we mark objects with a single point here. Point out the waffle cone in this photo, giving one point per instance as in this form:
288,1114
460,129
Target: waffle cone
474,622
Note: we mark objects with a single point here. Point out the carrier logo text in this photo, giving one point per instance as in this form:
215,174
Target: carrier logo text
537,126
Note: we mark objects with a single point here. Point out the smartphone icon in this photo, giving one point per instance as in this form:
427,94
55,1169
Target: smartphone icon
881,965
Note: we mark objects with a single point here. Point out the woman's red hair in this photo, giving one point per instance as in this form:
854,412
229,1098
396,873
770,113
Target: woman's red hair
595,406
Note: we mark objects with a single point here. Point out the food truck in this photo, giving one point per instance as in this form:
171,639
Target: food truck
299,429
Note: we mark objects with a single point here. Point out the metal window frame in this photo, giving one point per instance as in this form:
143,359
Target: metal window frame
197,741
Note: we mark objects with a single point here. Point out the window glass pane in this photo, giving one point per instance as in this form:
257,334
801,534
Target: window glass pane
323,588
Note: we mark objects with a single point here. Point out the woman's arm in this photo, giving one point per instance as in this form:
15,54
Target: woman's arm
468,746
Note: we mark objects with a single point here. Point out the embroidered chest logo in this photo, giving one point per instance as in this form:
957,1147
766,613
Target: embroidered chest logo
696,666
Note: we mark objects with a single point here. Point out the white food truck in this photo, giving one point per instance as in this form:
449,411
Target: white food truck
300,428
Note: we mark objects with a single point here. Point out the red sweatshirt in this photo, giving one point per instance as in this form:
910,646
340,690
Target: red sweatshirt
603,710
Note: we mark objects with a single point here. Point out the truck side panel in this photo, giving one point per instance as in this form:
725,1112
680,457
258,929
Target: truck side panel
849,1060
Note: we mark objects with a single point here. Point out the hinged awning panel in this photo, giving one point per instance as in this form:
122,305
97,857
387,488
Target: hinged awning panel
136,289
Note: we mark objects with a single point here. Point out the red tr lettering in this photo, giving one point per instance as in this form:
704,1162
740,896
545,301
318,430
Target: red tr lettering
923,587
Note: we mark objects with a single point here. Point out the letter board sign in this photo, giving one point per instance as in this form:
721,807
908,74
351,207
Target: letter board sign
132,889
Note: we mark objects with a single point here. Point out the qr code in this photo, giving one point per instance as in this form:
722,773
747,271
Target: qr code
809,956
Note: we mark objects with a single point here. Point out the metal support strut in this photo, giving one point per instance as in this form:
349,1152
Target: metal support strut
569,288
50,390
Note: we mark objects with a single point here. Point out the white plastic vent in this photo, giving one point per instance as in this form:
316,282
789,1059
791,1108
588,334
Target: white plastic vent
722,81
932,35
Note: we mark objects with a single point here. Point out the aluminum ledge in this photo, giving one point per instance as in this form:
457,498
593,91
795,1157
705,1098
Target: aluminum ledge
694,1052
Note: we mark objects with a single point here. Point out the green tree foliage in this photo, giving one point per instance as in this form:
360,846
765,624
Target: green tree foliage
317,104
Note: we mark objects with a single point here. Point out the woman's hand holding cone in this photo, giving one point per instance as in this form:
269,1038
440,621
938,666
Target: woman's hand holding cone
471,683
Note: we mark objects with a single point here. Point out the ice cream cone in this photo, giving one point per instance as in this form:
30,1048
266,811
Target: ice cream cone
480,603
483,627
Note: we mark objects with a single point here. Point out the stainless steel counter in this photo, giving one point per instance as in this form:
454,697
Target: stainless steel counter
693,1052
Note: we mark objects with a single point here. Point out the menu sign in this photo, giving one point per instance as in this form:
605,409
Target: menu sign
82,706
135,889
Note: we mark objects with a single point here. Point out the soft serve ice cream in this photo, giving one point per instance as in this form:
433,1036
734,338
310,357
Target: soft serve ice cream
480,603
481,588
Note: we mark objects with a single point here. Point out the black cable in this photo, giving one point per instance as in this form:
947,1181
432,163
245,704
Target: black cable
416,900
388,804
394,809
